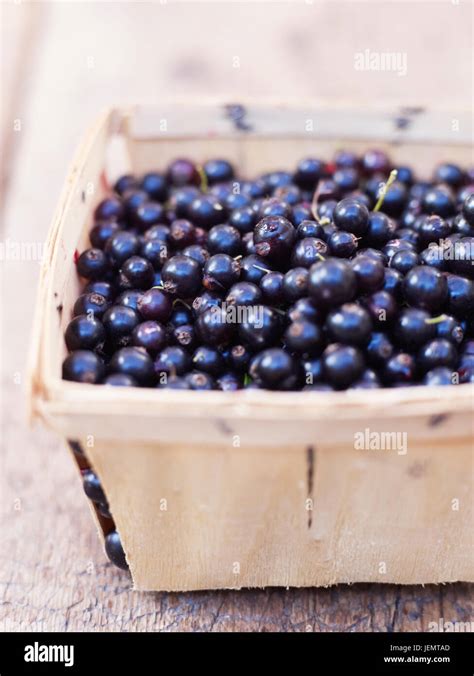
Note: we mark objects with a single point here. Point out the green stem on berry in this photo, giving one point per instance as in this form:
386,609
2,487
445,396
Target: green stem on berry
202,174
320,256
259,267
436,320
385,186
314,203
247,379
180,300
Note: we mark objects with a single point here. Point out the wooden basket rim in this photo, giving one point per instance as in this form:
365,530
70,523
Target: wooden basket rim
49,392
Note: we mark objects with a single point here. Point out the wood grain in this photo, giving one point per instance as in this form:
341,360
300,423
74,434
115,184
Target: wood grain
53,573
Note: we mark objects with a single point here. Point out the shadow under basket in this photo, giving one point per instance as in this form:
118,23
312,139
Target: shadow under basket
214,490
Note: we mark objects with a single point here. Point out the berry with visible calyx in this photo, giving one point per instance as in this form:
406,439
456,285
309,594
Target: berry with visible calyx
91,304
274,237
450,329
206,300
220,272
244,293
304,309
182,233
119,322
239,358
342,244
295,284
181,276
307,251
198,380
105,289
92,264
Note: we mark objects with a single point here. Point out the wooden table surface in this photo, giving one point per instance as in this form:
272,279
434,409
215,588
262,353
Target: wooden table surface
61,63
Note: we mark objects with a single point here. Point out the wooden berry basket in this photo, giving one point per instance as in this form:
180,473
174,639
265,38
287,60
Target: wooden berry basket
213,490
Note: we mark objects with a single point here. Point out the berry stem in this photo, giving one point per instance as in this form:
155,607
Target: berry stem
385,186
436,320
314,203
202,174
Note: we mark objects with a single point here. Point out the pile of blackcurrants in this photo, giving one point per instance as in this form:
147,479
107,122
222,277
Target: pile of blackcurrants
348,274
